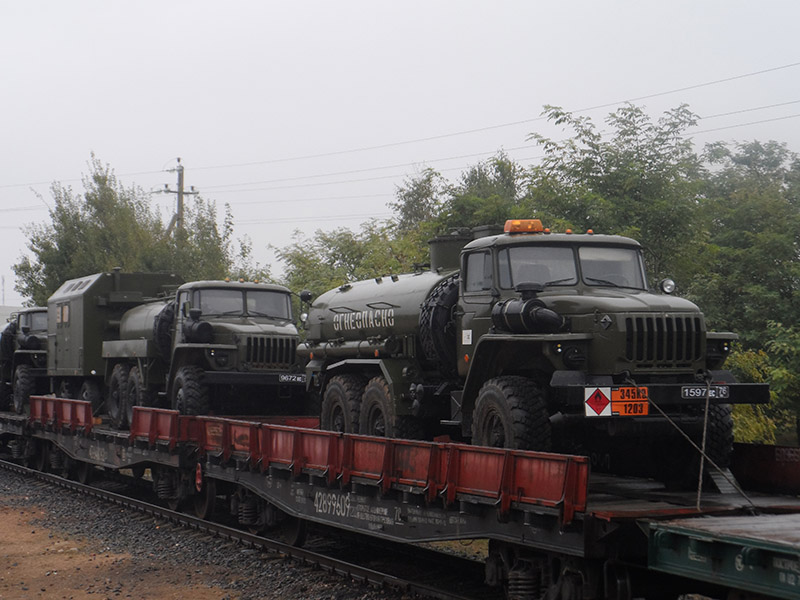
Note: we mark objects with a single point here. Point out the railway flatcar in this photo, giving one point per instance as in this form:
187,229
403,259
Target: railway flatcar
555,529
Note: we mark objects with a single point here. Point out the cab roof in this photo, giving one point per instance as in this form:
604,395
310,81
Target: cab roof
233,285
524,239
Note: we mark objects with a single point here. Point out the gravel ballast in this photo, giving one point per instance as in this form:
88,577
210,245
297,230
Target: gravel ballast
154,545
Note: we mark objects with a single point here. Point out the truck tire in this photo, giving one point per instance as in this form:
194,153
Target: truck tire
66,389
136,393
190,395
511,413
90,392
341,404
437,331
162,330
378,416
679,463
117,401
23,388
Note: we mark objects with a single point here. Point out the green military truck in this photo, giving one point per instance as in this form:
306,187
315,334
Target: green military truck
215,346
83,314
23,357
526,339
120,340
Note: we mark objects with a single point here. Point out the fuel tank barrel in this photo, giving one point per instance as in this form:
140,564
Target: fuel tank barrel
372,308
138,322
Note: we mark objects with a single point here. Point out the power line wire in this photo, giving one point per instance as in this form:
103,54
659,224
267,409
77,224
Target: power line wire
501,125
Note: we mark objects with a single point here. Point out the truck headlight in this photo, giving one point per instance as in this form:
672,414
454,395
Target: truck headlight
573,357
220,358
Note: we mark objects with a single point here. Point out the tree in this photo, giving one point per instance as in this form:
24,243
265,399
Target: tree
488,193
641,180
331,259
752,221
112,226
419,200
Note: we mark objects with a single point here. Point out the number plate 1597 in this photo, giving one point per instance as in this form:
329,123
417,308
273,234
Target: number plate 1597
700,391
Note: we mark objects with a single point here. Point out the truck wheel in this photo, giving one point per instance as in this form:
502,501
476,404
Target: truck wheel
341,404
66,389
90,392
136,393
679,463
23,388
378,415
511,413
191,394
116,403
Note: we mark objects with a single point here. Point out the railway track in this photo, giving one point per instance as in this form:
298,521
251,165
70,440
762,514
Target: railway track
416,571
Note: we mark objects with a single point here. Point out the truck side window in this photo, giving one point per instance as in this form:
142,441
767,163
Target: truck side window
62,314
183,298
478,272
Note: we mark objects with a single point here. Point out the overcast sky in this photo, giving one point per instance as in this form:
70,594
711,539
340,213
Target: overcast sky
307,115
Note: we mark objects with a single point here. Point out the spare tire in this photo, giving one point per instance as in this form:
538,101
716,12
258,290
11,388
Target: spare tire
162,330
437,329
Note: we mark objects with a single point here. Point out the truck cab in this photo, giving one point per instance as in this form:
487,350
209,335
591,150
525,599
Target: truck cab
23,356
231,335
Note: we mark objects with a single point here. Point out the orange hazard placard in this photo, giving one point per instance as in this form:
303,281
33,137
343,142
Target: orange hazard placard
629,401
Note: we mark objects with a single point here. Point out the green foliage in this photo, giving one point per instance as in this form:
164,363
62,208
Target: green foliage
487,194
641,180
754,423
752,241
331,259
419,200
110,226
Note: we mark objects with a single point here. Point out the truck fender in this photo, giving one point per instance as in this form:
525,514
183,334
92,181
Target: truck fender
511,354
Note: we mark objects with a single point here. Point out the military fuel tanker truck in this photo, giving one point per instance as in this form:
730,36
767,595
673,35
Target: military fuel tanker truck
124,339
527,339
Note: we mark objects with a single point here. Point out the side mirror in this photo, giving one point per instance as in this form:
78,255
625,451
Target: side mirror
306,296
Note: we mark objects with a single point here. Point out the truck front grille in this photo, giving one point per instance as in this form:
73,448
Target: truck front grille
664,342
264,352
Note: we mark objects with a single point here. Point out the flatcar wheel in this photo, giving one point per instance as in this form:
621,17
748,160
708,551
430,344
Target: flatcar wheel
174,503
83,472
42,459
206,499
295,531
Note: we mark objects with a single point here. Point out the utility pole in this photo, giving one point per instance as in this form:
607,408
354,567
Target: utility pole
177,218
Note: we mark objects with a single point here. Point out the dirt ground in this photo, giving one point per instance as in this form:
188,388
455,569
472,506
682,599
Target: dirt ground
37,563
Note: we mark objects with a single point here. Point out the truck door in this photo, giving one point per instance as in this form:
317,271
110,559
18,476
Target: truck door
478,293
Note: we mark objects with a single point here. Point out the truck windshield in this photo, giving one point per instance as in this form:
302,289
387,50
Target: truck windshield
609,266
254,303
37,321
557,265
